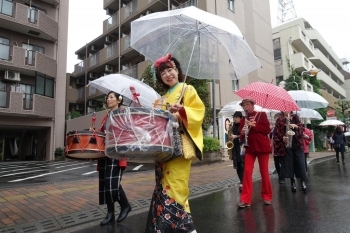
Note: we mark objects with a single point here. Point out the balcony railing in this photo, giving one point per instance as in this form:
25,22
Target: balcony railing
30,57
126,42
3,95
4,52
32,15
131,8
94,59
6,7
132,72
81,93
186,4
112,21
80,67
112,50
92,91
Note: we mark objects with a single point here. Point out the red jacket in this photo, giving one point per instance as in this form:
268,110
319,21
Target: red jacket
307,139
122,162
258,139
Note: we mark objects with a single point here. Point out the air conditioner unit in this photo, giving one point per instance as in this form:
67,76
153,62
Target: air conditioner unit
81,56
109,40
79,107
108,68
92,103
12,75
94,48
80,81
92,75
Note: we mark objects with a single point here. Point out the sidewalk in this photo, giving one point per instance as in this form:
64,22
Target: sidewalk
56,206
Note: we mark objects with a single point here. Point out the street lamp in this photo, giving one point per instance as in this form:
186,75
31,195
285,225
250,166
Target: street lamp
283,84
311,73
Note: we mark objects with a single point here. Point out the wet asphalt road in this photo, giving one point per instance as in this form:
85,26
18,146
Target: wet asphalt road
324,208
13,174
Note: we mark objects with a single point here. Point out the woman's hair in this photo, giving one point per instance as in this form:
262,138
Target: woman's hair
338,130
167,65
117,96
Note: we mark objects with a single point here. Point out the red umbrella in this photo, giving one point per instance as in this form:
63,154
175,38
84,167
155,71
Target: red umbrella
269,96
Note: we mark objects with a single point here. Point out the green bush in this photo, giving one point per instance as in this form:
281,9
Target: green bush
210,144
58,152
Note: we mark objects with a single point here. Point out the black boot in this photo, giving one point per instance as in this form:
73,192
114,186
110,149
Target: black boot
110,215
303,185
125,206
293,187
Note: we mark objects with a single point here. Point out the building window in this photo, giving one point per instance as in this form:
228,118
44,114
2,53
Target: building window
3,95
6,7
279,79
30,52
44,86
4,49
231,5
235,85
27,91
277,54
33,13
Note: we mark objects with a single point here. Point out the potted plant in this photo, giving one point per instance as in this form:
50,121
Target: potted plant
59,153
211,149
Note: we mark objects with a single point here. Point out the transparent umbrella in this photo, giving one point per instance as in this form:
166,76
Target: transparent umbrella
230,108
308,99
331,122
208,46
127,86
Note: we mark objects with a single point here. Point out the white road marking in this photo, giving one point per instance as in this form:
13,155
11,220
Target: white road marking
18,173
46,174
88,173
137,168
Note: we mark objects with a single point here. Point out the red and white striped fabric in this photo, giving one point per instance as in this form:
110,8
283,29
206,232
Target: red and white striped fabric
269,96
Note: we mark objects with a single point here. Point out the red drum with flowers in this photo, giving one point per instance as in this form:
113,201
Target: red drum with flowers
85,145
140,135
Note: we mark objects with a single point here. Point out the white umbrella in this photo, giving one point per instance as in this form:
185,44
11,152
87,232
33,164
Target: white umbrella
121,84
308,99
209,45
331,122
309,113
230,108
347,134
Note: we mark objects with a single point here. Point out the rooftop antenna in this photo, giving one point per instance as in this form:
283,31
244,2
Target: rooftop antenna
286,11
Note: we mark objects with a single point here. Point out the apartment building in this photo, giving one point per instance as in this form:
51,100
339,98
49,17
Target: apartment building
111,52
33,55
297,45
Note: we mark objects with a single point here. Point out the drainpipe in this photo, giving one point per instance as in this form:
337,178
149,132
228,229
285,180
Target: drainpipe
86,57
119,32
290,63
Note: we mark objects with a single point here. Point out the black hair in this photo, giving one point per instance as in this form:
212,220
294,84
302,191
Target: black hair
167,65
116,96
338,130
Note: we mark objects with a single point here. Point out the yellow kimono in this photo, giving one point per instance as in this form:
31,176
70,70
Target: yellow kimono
176,172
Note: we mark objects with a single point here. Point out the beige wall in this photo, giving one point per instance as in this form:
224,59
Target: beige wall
61,47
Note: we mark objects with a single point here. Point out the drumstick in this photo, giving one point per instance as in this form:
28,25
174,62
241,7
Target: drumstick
135,95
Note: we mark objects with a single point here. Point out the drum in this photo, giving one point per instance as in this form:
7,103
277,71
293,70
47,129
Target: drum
85,145
140,135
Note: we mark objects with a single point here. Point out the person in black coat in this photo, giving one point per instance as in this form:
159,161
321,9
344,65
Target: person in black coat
238,160
339,143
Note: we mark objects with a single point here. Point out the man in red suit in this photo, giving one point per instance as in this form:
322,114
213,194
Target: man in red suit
255,128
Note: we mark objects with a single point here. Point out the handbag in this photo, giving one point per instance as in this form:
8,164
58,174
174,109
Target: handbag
183,145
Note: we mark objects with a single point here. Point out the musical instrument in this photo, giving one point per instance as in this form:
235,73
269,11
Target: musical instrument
137,134
85,144
289,133
246,132
229,145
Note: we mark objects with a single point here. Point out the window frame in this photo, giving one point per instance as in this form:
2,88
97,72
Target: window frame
45,83
231,7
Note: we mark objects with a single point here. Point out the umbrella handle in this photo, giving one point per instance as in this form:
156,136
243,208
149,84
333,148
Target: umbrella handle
135,95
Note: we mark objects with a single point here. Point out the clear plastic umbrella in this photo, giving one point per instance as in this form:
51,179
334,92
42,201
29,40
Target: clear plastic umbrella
208,46
127,86
331,122
308,99
309,113
230,108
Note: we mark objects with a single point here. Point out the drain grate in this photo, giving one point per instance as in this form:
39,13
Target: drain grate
80,217
46,225
146,202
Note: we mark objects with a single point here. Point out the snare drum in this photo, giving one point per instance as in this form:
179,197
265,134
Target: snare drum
85,145
140,135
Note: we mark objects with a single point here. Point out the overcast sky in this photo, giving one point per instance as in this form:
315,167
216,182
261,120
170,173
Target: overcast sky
330,18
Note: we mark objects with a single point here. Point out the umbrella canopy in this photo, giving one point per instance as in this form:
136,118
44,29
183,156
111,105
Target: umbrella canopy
232,107
206,45
309,113
331,122
269,96
122,84
347,134
308,99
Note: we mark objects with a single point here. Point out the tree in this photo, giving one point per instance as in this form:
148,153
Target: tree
200,85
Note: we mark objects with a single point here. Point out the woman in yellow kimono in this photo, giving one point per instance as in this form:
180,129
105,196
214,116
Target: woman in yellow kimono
170,211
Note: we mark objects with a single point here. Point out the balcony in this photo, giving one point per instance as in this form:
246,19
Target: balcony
321,61
321,44
330,98
27,61
29,105
300,62
28,21
331,86
111,23
301,42
71,94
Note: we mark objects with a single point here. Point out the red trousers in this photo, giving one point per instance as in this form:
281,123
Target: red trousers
266,190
